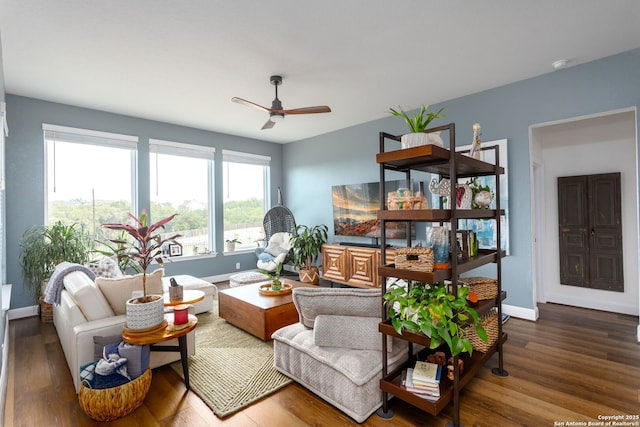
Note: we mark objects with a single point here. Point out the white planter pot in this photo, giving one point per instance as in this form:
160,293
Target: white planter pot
410,140
146,315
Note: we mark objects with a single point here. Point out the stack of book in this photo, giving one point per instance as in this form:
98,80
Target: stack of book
424,380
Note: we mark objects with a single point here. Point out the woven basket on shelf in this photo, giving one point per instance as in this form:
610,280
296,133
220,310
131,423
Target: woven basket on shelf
419,259
111,403
490,324
484,287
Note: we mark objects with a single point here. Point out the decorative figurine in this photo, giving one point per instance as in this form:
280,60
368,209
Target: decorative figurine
475,145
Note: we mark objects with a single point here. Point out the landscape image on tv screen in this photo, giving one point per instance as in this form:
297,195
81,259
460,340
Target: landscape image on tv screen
355,208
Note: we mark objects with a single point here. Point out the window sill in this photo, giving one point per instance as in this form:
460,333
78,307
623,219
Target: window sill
180,258
239,251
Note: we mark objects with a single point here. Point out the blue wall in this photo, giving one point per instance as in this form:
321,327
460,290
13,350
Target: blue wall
348,156
310,167
25,175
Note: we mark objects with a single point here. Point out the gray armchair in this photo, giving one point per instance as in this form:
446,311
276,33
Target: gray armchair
335,350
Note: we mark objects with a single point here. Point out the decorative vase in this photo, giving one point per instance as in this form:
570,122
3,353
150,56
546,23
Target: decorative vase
310,275
416,139
145,315
231,246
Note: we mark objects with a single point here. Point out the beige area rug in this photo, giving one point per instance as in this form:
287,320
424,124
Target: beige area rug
231,368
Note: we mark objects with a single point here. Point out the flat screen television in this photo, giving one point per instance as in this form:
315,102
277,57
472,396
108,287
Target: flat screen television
355,208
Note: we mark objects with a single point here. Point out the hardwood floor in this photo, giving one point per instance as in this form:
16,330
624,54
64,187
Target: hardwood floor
573,365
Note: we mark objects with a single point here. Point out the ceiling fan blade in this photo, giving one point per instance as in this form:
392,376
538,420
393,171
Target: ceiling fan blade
250,104
268,125
309,110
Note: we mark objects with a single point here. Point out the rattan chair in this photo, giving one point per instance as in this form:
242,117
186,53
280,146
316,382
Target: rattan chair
276,220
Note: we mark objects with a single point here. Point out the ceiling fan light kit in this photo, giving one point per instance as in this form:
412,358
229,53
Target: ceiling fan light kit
276,112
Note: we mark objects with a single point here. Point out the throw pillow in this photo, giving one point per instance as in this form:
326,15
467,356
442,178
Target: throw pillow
355,332
312,302
275,250
106,267
118,291
99,342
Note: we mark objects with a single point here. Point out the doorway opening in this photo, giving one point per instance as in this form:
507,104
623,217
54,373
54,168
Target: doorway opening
597,144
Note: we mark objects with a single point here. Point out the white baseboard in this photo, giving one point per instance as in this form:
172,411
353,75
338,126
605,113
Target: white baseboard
520,312
638,334
22,312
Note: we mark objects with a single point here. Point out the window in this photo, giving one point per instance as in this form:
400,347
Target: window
245,183
90,177
181,182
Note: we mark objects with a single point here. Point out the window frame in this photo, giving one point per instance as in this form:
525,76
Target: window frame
66,134
160,146
231,156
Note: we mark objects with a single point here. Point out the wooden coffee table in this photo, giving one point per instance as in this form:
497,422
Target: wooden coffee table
260,315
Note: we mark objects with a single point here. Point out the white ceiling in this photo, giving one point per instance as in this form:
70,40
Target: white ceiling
182,61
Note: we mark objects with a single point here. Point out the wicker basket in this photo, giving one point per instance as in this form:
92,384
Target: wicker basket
419,259
46,311
111,403
490,324
484,287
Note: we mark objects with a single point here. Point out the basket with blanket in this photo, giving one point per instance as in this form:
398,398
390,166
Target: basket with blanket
117,383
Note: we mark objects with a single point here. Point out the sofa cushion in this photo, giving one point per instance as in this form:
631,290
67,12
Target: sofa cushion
311,302
355,332
86,294
118,290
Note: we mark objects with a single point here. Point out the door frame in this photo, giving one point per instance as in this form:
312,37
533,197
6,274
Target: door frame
538,223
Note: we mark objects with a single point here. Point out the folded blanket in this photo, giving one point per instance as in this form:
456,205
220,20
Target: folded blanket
53,292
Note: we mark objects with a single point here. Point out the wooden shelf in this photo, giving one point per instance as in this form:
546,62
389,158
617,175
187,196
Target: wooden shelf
435,159
436,215
392,383
485,256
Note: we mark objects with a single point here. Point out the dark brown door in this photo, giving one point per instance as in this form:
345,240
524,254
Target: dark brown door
589,213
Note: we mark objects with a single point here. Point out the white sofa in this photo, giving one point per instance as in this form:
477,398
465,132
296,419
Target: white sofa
85,314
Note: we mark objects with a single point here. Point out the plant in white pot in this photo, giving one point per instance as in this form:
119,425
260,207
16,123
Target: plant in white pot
306,244
418,123
147,311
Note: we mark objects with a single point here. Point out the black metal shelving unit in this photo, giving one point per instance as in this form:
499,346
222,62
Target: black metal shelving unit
452,165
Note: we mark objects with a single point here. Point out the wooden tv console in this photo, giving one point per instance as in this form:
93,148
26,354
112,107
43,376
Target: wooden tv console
353,265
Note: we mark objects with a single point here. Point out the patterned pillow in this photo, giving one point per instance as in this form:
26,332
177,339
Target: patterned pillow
106,267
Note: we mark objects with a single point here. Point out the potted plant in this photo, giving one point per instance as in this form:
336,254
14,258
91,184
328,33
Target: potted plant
43,247
231,244
274,277
147,311
418,123
438,314
306,244
118,251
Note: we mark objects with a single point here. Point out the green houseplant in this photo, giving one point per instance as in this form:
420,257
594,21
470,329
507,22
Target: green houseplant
306,244
418,123
438,314
45,246
274,277
231,244
146,311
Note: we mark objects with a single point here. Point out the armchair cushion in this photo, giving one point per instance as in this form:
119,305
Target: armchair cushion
274,249
312,302
355,332
118,290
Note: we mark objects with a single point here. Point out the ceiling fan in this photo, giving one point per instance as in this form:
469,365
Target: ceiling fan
276,112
